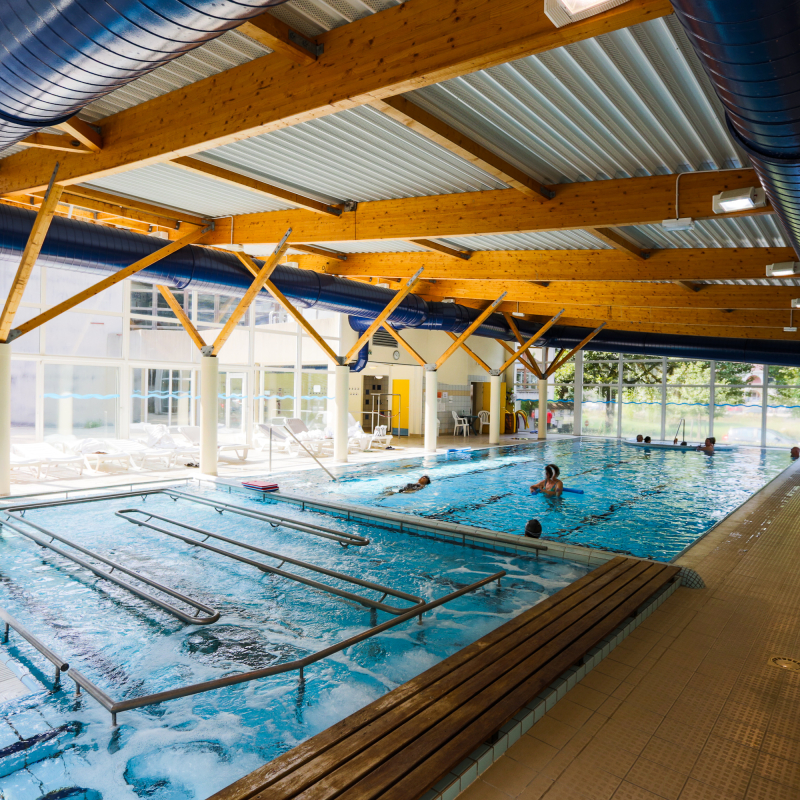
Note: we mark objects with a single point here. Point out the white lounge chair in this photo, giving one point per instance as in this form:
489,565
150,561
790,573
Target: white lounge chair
97,452
140,453
34,464
49,456
181,449
380,437
462,424
192,433
282,442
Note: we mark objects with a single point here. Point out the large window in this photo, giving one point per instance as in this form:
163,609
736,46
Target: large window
81,401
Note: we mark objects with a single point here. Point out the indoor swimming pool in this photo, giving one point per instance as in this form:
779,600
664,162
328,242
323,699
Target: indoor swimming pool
59,745
647,503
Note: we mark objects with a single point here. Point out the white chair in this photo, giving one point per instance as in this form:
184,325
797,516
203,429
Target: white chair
49,456
101,451
380,436
483,419
140,453
35,464
192,433
462,424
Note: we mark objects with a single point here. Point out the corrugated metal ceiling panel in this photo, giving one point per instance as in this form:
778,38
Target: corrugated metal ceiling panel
171,186
757,231
547,240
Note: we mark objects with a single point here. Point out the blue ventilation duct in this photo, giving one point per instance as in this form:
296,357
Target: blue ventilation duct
99,251
56,56
750,51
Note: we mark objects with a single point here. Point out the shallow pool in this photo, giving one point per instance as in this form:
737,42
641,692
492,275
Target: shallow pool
192,747
649,503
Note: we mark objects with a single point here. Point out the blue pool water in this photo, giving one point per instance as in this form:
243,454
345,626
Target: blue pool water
648,503
192,747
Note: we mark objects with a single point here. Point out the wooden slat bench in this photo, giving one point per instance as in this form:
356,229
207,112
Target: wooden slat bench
399,746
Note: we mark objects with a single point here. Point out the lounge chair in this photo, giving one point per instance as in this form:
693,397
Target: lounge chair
192,433
140,453
380,437
35,464
282,442
97,452
49,456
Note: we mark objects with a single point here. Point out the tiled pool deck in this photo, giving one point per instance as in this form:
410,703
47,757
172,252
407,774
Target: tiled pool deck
687,707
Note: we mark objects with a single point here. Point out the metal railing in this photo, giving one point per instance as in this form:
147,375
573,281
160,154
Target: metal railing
128,515
212,615
115,707
276,520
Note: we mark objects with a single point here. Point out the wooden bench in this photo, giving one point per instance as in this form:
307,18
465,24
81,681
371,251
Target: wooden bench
399,746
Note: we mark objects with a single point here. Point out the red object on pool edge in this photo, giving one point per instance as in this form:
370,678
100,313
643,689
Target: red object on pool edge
263,486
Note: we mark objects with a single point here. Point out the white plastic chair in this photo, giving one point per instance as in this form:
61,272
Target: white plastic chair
462,424
380,437
483,419
49,456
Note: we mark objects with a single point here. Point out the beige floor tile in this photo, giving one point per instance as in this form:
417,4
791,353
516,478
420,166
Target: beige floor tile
735,731
629,791
586,696
508,776
571,713
625,737
696,790
588,781
680,732
600,682
599,754
725,751
553,732
721,775
779,770
614,669
609,706
479,790
531,752
670,754
762,789
657,778
782,746
636,717
536,789
623,690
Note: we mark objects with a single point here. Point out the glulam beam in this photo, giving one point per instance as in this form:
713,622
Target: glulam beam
281,39
411,45
593,204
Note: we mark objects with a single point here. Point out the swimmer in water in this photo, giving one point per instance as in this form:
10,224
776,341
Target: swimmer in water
640,438
551,486
708,447
533,529
795,452
415,487
647,440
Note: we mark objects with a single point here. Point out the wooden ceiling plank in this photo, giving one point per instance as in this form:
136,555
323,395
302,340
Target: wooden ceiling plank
54,141
88,135
406,47
281,39
318,251
436,247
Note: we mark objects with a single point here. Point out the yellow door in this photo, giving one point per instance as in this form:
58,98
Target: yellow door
400,424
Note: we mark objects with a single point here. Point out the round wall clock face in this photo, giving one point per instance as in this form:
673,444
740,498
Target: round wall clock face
396,355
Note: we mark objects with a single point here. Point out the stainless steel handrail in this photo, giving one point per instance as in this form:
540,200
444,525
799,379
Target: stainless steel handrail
115,706
308,452
275,520
56,660
212,614
126,514
73,501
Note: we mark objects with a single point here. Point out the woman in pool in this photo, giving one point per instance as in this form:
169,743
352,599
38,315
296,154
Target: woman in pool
551,486
708,447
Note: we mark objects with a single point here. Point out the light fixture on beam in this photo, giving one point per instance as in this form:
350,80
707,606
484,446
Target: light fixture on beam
562,12
784,269
739,200
796,303
448,299
675,225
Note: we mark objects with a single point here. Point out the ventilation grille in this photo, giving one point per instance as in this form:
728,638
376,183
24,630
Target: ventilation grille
383,339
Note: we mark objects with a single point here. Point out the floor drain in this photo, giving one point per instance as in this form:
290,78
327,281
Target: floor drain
784,662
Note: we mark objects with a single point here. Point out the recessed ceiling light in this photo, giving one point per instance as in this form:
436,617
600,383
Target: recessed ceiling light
784,269
739,200
562,12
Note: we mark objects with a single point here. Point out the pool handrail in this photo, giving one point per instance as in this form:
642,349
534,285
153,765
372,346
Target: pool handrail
125,513
344,538
212,615
115,707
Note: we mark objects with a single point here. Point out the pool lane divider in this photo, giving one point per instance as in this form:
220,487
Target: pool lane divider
467,535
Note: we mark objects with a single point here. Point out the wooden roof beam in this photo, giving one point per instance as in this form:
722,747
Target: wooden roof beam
240,181
422,122
619,242
281,39
637,201
408,46
319,251
88,135
55,141
436,247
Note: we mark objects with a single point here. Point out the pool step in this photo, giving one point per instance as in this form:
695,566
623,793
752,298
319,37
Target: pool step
25,751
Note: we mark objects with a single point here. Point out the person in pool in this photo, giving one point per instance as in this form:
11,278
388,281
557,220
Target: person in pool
647,440
551,486
708,447
415,487
533,529
795,452
640,438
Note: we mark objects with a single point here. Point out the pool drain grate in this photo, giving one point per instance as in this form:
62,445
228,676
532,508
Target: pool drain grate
784,662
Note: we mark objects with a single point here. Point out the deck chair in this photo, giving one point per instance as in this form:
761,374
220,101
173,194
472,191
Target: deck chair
96,452
192,433
483,419
461,424
380,437
49,456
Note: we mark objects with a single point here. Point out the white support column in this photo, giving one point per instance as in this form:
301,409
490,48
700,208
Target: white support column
494,407
341,400
542,426
5,419
577,418
209,391
431,407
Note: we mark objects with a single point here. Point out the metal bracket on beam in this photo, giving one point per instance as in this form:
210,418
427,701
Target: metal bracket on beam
208,350
315,49
15,333
494,373
548,193
350,205
430,368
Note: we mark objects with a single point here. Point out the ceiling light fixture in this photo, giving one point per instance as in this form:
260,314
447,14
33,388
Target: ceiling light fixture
448,299
517,313
784,269
796,303
562,12
739,200
682,224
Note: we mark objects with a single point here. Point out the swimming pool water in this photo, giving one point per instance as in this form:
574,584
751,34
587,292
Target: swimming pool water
647,503
192,747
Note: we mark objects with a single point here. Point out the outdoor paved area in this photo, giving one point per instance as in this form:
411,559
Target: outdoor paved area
688,707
